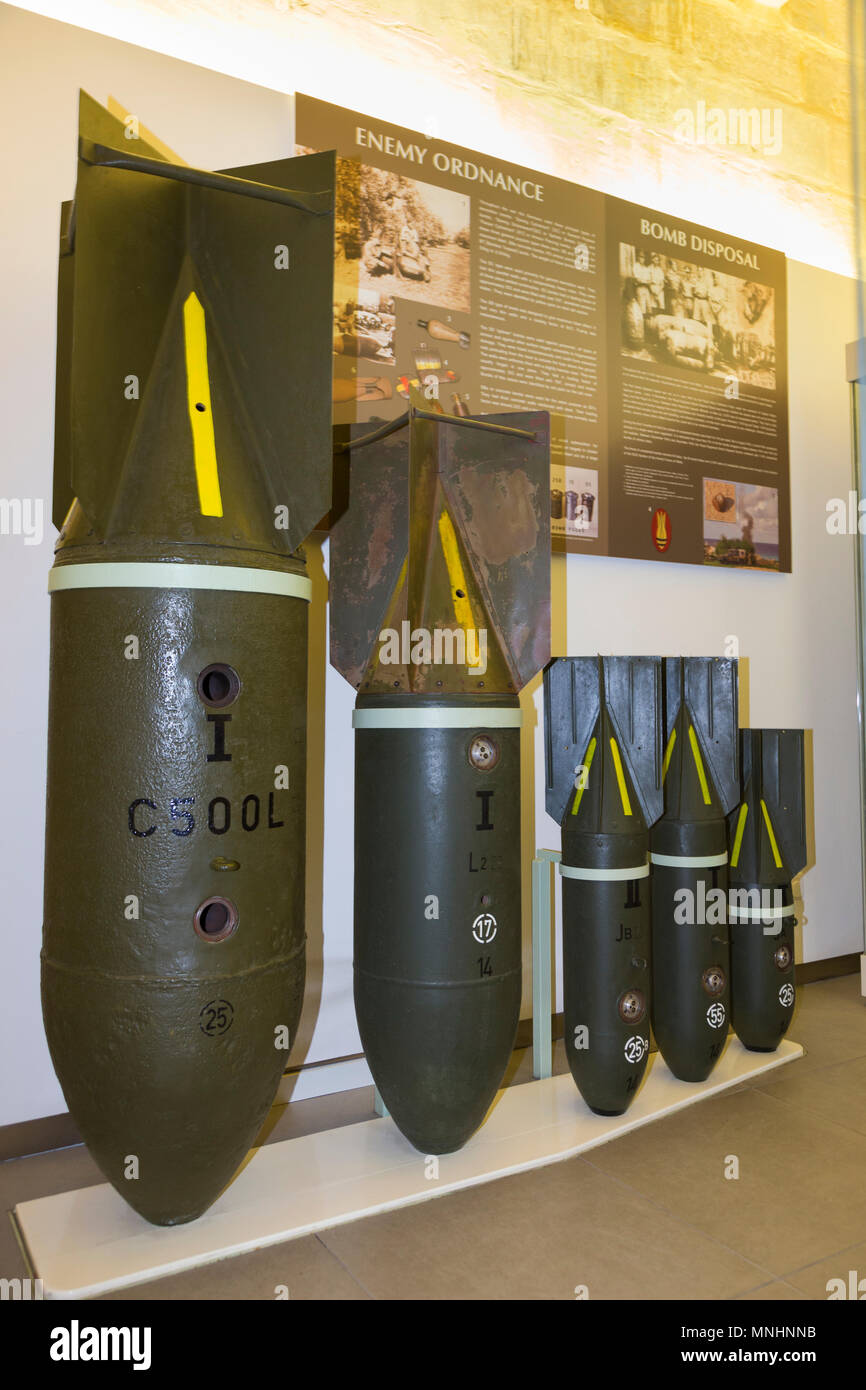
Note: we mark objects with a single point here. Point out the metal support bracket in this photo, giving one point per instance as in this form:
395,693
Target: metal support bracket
378,1104
542,961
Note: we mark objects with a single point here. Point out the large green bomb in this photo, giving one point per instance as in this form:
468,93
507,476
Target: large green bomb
192,458
440,613
438,1004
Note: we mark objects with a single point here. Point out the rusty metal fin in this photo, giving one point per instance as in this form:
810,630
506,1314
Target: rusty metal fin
445,540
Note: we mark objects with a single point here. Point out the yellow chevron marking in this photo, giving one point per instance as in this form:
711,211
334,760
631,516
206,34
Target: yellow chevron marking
462,606
199,403
777,858
620,777
668,753
590,754
738,835
699,764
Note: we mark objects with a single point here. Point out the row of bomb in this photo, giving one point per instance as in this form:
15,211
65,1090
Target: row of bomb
675,806
168,1033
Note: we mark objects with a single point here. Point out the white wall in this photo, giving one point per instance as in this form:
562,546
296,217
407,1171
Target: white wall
797,631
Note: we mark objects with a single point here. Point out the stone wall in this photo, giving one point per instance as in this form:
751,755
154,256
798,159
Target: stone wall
602,91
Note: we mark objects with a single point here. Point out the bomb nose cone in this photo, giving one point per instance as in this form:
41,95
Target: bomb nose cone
170,1080
437,1054
762,968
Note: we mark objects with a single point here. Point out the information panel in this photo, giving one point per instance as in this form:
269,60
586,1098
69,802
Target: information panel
657,345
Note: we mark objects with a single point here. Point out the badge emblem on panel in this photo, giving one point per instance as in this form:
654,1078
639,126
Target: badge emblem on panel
661,529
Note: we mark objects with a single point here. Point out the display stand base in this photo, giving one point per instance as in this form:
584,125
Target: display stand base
89,1242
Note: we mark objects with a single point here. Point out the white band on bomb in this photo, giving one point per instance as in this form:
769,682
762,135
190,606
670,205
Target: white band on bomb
437,718
135,574
689,861
604,875
756,914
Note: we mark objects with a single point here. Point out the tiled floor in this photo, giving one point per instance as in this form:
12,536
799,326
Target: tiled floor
652,1215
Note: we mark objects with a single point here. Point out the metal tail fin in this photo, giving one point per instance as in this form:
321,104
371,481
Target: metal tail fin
783,788
257,246
708,688
632,692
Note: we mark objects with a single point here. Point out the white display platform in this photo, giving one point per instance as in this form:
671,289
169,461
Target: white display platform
90,1242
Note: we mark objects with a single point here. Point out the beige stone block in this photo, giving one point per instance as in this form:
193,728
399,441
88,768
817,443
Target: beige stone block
825,19
768,57
827,83
743,44
647,19
638,82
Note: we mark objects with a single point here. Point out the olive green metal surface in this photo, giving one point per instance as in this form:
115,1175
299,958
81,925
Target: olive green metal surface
438,930
690,951
167,1044
768,848
193,432
603,724
446,535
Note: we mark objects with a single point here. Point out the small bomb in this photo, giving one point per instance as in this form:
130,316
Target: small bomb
440,614
768,848
603,729
192,458
445,332
689,856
